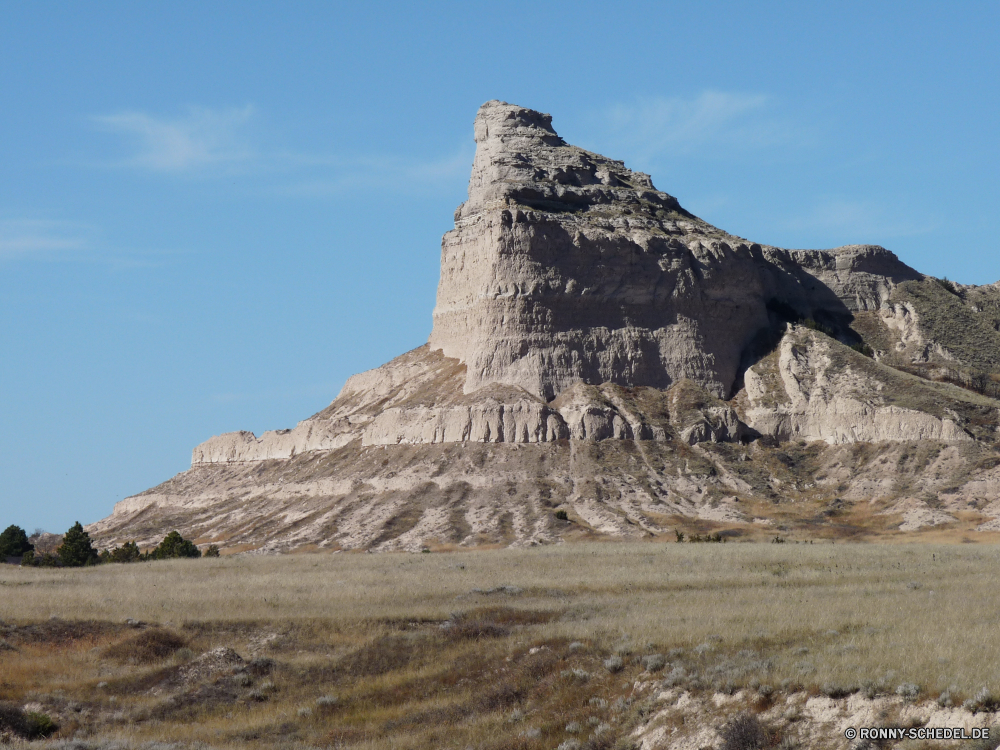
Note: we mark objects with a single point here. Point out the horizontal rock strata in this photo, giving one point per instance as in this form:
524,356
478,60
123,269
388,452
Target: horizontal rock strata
564,267
604,363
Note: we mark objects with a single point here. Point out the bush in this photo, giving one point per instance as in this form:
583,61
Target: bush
614,664
982,701
326,702
25,725
562,515
745,732
14,542
45,560
654,662
908,691
212,551
816,326
76,549
127,553
40,725
948,286
174,545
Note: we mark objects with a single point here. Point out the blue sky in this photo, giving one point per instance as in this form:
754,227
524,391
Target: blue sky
212,214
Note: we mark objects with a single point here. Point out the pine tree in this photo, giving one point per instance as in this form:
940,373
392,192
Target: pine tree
174,545
128,552
14,542
76,549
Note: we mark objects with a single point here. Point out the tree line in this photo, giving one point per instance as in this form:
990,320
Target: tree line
77,549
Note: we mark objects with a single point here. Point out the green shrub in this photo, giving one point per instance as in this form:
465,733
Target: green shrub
815,326
174,545
40,725
716,538
28,725
562,515
45,560
948,286
76,549
14,542
212,551
128,552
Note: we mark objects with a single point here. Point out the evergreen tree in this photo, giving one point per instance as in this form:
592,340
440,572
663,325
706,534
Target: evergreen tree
76,549
174,545
128,552
14,542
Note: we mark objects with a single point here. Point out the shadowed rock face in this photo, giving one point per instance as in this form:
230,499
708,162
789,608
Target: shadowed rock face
598,349
565,267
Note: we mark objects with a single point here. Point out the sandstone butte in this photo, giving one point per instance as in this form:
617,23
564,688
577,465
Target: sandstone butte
599,350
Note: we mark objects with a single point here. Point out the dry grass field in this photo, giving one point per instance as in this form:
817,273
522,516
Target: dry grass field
492,649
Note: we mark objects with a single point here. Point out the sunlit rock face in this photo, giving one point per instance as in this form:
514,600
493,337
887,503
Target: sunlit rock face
564,266
599,350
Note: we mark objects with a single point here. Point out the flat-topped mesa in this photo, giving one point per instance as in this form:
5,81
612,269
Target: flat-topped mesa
565,266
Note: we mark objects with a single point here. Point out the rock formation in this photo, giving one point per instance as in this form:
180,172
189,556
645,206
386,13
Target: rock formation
566,267
581,307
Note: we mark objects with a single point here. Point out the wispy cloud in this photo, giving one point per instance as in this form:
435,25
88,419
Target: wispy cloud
40,239
654,126
200,138
51,241
209,142
858,221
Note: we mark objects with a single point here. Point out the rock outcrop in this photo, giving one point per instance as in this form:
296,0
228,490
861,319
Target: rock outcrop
598,349
814,389
566,267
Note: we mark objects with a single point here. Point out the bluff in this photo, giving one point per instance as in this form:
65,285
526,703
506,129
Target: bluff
598,349
566,267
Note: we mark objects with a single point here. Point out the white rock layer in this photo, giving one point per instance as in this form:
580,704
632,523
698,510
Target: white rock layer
816,399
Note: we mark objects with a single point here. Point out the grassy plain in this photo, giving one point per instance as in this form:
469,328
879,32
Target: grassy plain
474,648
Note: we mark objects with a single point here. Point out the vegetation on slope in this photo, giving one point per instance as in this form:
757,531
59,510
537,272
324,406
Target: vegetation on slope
951,321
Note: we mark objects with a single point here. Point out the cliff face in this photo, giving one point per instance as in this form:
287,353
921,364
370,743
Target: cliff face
565,267
627,362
